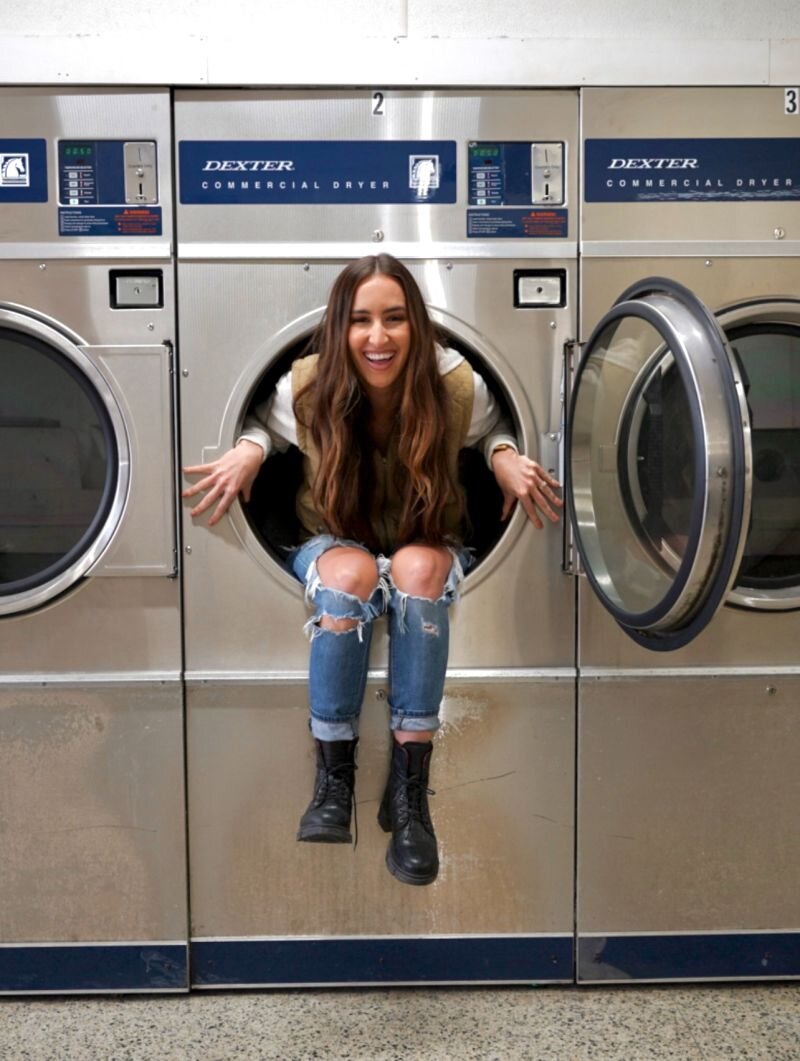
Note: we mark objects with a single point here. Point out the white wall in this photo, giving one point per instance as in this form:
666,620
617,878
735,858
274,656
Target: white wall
400,42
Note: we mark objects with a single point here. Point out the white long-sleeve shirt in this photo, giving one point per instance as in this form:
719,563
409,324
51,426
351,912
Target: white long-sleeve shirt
272,424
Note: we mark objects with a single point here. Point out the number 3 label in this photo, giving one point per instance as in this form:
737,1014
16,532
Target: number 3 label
791,101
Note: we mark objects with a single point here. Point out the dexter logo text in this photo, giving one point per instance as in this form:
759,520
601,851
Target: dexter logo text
256,165
654,163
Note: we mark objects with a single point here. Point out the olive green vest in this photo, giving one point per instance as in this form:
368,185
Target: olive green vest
387,502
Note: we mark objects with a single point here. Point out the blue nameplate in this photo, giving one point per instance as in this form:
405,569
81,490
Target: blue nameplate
639,171
277,172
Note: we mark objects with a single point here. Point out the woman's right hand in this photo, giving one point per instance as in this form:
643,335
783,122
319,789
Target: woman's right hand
224,479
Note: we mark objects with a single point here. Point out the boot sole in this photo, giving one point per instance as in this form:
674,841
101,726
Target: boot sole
403,876
331,835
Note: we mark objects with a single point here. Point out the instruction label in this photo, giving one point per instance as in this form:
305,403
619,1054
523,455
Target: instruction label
109,221
517,224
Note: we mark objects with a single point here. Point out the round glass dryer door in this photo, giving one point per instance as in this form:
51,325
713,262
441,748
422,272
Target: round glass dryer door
64,467
659,462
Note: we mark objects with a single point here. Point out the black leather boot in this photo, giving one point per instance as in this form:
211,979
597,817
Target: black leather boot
412,856
327,818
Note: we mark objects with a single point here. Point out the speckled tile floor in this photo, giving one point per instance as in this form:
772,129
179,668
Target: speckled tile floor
688,1023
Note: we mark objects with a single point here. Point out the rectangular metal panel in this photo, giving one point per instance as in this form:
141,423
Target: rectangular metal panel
687,805
125,627
383,960
705,114
235,320
145,543
102,114
735,637
503,774
458,116
91,791
57,969
101,629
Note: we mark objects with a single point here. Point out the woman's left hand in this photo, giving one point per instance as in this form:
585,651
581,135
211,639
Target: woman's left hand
523,480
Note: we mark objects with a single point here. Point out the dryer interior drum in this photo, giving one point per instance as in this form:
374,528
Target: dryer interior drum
656,468
271,512
63,477
768,355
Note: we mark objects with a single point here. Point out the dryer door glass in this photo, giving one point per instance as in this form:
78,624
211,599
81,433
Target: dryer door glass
658,445
58,469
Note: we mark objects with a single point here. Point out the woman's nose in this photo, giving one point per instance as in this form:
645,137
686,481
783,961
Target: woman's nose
377,332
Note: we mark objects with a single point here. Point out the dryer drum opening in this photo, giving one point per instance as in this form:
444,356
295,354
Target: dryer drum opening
271,512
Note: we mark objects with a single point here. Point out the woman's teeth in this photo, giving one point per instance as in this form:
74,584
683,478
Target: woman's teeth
378,357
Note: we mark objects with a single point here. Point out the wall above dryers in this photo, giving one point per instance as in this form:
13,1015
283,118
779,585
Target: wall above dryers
401,43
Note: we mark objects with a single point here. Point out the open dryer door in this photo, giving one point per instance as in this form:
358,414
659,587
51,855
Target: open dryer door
658,451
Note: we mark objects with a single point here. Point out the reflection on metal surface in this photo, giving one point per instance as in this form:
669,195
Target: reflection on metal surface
502,772
666,956
91,790
688,796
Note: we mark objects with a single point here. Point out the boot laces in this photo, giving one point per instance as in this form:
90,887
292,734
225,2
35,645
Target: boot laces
336,784
416,805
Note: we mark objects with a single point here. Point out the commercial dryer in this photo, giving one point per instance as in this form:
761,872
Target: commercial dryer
92,873
685,489
277,191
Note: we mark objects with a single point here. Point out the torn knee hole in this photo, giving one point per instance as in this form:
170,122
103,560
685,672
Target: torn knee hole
331,622
432,629
314,627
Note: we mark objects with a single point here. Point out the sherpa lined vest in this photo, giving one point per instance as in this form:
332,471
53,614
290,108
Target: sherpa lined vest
387,502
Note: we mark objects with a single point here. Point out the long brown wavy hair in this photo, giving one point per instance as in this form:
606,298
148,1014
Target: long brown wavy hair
343,487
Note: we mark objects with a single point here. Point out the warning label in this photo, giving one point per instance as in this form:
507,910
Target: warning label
517,224
109,221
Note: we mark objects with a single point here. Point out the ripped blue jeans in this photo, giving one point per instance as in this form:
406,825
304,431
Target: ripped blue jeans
418,645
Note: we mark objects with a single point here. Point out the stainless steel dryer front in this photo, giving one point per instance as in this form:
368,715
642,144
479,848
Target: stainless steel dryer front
685,486
92,874
278,190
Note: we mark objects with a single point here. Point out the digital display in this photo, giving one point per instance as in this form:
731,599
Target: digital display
78,152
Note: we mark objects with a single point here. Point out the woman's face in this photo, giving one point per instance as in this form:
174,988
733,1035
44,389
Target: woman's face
380,333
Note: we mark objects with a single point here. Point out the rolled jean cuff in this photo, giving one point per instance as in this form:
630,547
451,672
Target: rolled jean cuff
323,730
414,723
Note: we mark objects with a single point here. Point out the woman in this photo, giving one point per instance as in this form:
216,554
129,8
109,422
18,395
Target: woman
380,415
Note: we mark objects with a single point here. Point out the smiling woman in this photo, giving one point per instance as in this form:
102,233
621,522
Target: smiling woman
380,413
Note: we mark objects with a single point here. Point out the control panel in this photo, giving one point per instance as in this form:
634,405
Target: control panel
94,172
108,188
513,173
